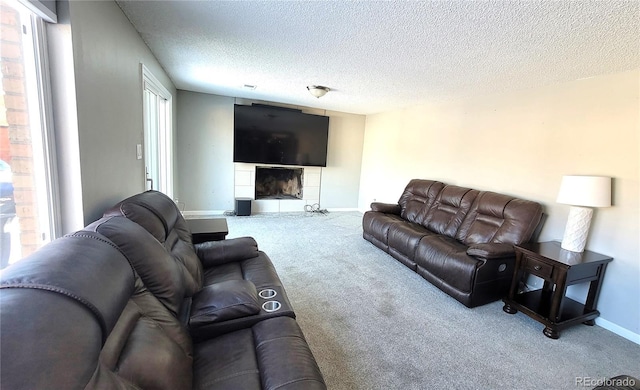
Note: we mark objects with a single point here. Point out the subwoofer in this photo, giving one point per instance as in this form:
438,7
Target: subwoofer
243,207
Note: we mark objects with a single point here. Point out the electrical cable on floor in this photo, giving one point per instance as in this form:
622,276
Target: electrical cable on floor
230,213
315,208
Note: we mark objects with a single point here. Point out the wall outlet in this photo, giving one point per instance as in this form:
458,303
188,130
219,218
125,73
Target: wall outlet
139,151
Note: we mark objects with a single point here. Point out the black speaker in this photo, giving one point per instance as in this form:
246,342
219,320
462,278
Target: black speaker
243,207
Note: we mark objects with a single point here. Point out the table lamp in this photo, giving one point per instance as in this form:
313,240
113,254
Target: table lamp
582,193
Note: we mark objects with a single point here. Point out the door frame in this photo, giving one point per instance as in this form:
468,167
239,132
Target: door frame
162,149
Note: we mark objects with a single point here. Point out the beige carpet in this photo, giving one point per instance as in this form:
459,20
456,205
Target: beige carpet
374,324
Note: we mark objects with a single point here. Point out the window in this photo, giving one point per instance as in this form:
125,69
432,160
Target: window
158,147
27,172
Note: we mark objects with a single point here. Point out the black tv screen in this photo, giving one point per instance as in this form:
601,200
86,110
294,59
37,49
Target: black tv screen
274,135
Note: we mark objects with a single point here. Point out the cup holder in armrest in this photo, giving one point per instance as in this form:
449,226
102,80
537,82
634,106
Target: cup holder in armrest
267,293
271,306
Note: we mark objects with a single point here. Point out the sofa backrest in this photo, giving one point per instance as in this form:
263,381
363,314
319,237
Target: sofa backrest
449,210
160,216
75,315
417,198
161,273
499,218
147,349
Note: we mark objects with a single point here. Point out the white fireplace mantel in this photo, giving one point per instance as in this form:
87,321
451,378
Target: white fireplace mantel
244,187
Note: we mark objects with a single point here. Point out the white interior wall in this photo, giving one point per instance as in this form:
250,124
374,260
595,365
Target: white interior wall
522,143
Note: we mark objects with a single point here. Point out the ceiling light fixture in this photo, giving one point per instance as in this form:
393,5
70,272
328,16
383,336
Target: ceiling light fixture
318,90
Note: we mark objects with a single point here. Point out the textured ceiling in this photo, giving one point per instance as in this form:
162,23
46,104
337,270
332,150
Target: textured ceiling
382,55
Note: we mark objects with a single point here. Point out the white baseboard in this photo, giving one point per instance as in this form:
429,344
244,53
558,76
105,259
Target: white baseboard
212,213
620,331
203,213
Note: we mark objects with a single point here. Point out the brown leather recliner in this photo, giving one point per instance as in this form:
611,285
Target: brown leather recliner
211,270
459,239
85,312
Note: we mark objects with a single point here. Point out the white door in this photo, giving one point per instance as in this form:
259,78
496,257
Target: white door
158,156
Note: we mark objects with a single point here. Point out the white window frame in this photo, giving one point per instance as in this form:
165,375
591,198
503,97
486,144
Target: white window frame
41,124
49,175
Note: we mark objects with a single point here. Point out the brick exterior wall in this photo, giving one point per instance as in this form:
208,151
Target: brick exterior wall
15,132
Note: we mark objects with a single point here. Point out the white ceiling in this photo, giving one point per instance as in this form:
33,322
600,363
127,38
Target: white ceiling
383,55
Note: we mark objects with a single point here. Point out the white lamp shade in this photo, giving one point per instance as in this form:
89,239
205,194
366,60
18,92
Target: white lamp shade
587,191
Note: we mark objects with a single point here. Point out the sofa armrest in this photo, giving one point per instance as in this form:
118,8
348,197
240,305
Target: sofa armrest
212,253
491,250
387,208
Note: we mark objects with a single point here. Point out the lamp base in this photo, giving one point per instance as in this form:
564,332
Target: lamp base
577,230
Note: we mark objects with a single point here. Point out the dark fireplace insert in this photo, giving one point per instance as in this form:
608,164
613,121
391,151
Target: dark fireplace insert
278,183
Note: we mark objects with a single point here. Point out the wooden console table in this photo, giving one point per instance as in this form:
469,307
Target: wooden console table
210,229
559,268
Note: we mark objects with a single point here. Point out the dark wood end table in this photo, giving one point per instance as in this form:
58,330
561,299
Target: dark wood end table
209,229
559,268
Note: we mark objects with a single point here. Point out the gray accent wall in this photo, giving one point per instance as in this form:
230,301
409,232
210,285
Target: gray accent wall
107,53
205,171
205,152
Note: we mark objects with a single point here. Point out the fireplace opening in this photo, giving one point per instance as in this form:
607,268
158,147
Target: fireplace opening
278,183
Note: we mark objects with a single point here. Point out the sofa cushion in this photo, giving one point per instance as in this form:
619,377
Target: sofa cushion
272,354
213,253
258,270
55,315
141,206
140,213
403,241
224,301
499,218
160,216
417,198
449,209
159,271
37,355
375,227
447,259
80,266
227,362
284,355
148,348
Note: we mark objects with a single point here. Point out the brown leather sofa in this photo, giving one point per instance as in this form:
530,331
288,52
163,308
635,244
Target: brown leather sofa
129,303
459,239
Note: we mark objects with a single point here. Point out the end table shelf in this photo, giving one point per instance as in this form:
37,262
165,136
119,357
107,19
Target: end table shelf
559,269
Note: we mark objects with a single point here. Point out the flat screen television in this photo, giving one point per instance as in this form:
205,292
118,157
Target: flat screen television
273,135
